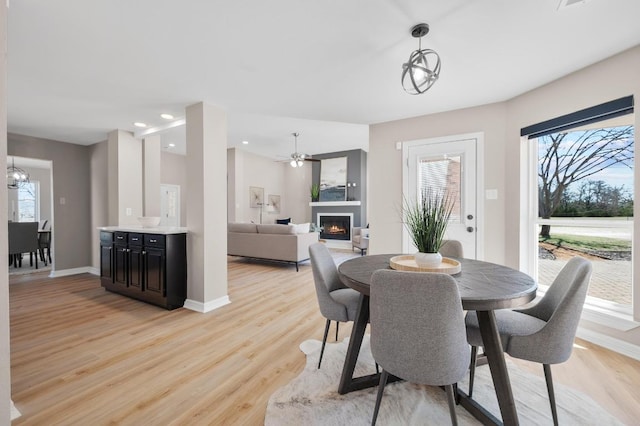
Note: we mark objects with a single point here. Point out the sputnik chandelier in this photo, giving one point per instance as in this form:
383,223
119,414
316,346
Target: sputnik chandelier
423,67
16,177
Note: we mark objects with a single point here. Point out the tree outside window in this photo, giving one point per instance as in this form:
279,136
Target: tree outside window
28,210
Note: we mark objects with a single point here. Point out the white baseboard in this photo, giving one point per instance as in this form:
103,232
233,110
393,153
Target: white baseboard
14,412
72,271
616,345
94,271
207,306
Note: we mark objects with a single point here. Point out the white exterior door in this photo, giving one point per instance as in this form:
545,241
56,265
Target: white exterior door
447,163
169,205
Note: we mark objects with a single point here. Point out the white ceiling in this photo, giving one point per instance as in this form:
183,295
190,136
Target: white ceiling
78,69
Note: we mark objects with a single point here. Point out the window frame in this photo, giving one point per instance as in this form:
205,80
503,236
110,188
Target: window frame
607,313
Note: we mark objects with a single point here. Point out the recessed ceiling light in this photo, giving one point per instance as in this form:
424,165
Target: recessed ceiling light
140,124
172,145
167,116
245,142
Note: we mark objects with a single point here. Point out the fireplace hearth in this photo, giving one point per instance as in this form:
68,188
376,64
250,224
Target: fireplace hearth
335,226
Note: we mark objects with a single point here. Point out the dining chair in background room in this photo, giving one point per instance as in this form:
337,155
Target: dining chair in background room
23,238
337,302
451,248
44,245
545,332
417,331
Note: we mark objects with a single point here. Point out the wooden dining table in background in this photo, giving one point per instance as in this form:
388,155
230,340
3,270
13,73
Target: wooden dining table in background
484,287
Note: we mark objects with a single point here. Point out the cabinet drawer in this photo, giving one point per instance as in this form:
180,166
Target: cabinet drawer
135,239
120,237
106,237
154,240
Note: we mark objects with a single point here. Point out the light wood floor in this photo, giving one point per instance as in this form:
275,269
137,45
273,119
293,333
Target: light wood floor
81,355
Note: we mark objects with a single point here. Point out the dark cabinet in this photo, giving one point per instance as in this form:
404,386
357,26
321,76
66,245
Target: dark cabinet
106,255
149,267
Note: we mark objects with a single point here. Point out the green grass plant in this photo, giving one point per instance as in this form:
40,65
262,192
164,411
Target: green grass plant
586,242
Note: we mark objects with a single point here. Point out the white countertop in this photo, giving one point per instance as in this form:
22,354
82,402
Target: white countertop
138,228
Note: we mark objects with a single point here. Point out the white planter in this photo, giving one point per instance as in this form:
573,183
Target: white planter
428,260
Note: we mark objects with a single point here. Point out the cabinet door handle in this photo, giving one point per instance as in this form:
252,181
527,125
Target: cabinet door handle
144,252
153,241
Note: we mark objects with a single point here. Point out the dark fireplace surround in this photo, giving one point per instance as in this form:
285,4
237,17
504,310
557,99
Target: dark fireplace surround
335,227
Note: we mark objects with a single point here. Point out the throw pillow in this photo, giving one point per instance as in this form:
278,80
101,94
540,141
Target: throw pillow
283,221
302,228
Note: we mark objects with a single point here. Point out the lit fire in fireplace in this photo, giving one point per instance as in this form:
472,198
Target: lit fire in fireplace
334,229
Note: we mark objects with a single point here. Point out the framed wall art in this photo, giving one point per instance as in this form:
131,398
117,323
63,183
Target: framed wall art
333,179
274,202
256,196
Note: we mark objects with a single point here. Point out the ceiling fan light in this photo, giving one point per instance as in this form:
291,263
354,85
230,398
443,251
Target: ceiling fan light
294,163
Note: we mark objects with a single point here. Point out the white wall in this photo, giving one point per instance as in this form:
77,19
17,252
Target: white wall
298,193
5,364
173,171
501,123
385,172
255,170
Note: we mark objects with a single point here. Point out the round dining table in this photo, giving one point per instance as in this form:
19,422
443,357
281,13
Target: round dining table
484,287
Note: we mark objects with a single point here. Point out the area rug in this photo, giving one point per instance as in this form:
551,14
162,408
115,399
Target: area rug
312,397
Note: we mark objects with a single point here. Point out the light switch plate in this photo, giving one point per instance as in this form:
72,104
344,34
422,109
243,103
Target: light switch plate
491,194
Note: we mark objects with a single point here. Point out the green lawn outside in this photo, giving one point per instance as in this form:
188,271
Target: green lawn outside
586,242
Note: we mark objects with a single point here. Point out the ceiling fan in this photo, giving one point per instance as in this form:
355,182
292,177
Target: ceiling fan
298,158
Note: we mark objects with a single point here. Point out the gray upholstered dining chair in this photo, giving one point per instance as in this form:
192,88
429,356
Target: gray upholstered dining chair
544,332
417,331
23,238
451,248
337,302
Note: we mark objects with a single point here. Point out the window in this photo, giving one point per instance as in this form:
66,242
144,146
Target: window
585,207
28,202
579,197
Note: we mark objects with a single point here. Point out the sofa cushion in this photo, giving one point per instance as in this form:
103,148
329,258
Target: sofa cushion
275,229
242,227
283,221
301,228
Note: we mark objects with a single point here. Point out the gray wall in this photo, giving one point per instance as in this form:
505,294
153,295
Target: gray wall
99,196
72,236
356,172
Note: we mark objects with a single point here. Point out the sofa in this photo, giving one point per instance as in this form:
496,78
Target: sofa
283,243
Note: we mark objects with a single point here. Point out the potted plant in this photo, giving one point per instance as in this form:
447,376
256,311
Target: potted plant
426,220
315,192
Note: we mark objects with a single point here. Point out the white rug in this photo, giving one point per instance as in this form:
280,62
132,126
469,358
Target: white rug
312,397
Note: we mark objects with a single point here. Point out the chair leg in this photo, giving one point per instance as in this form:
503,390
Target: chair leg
324,341
337,326
552,397
452,404
381,385
472,368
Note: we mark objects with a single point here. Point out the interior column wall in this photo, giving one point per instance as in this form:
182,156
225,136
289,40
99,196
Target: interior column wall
5,360
207,196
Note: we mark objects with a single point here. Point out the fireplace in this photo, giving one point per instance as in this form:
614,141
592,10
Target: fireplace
335,226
